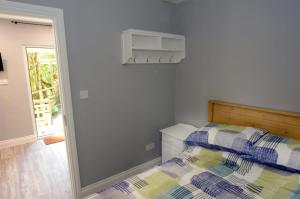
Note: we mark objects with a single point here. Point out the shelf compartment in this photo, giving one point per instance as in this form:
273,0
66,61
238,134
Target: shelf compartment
173,44
144,41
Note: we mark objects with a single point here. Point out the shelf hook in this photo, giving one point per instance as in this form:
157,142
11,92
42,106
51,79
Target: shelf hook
134,59
148,59
159,59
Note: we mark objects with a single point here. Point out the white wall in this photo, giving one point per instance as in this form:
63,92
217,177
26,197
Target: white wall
15,115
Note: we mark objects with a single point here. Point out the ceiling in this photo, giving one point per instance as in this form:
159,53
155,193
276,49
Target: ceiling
174,1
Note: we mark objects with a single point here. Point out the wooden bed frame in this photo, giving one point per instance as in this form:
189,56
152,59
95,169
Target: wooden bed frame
278,122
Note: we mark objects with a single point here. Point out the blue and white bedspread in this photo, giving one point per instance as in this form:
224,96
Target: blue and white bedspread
208,174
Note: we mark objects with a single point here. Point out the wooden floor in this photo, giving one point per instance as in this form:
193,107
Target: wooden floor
34,171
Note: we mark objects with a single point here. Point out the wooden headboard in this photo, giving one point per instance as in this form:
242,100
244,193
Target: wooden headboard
278,122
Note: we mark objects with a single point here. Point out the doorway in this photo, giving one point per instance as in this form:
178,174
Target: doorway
44,89
42,155
41,14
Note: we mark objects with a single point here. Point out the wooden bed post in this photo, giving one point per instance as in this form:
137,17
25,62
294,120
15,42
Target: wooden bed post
210,111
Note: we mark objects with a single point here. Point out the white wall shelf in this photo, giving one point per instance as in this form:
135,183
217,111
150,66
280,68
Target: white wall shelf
147,47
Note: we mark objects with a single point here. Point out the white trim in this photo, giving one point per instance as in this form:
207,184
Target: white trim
90,190
28,82
30,19
39,46
56,15
17,141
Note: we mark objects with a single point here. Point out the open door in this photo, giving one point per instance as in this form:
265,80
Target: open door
44,83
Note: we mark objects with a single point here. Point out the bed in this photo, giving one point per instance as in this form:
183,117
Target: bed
213,173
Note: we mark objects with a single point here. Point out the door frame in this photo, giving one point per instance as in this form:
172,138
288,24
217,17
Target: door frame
28,84
56,15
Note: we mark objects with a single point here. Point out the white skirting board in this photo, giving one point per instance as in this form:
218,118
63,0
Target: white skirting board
89,191
93,196
17,141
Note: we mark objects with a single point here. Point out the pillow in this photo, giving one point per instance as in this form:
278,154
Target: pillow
232,138
277,151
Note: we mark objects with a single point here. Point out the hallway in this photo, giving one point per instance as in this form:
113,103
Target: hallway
34,171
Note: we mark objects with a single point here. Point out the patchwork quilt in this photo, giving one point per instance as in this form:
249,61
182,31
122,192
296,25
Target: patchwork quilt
208,174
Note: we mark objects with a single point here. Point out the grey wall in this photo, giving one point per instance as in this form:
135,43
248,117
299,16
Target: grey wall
239,51
128,104
14,97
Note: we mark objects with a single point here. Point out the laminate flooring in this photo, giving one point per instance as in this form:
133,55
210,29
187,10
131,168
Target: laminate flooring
34,171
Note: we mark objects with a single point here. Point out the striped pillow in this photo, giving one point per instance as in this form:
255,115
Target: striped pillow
277,151
232,138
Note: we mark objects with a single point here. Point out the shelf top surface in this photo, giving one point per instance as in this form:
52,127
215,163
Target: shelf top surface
157,49
152,33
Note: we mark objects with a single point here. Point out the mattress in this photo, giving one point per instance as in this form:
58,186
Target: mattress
207,174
